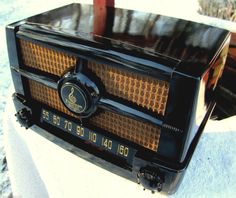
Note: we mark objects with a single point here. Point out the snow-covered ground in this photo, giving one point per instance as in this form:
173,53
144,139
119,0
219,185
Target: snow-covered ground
11,11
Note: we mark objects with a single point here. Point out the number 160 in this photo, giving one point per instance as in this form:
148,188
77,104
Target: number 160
123,150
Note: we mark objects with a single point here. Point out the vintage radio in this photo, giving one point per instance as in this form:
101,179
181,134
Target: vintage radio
130,91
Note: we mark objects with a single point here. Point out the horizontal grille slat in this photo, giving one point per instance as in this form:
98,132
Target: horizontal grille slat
141,133
144,134
142,90
48,96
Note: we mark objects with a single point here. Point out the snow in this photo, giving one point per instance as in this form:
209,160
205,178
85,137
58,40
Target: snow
11,11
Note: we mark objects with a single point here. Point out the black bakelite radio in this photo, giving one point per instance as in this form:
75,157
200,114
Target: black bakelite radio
129,91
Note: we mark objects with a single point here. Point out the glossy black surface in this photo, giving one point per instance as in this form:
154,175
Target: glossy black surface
135,62
50,82
89,92
111,105
101,102
171,174
13,57
170,39
183,53
185,73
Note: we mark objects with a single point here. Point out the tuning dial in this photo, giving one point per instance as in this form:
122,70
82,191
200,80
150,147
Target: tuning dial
79,94
151,178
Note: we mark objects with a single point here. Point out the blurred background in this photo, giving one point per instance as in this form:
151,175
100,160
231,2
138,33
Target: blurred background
14,10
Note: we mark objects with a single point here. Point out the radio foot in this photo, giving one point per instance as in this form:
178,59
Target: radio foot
151,178
24,118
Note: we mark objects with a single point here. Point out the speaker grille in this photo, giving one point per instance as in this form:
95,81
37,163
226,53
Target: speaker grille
45,59
141,133
48,96
142,90
144,134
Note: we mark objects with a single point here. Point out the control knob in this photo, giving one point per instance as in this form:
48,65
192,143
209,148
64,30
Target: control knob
151,178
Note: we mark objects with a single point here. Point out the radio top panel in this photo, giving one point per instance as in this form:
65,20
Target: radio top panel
168,41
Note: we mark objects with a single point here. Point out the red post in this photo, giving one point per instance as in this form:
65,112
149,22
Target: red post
100,15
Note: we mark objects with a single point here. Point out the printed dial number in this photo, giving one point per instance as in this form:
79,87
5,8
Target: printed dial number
68,125
56,120
123,150
45,115
80,131
92,136
107,143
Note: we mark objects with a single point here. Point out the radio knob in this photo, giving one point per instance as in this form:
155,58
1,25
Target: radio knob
24,118
79,94
151,179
